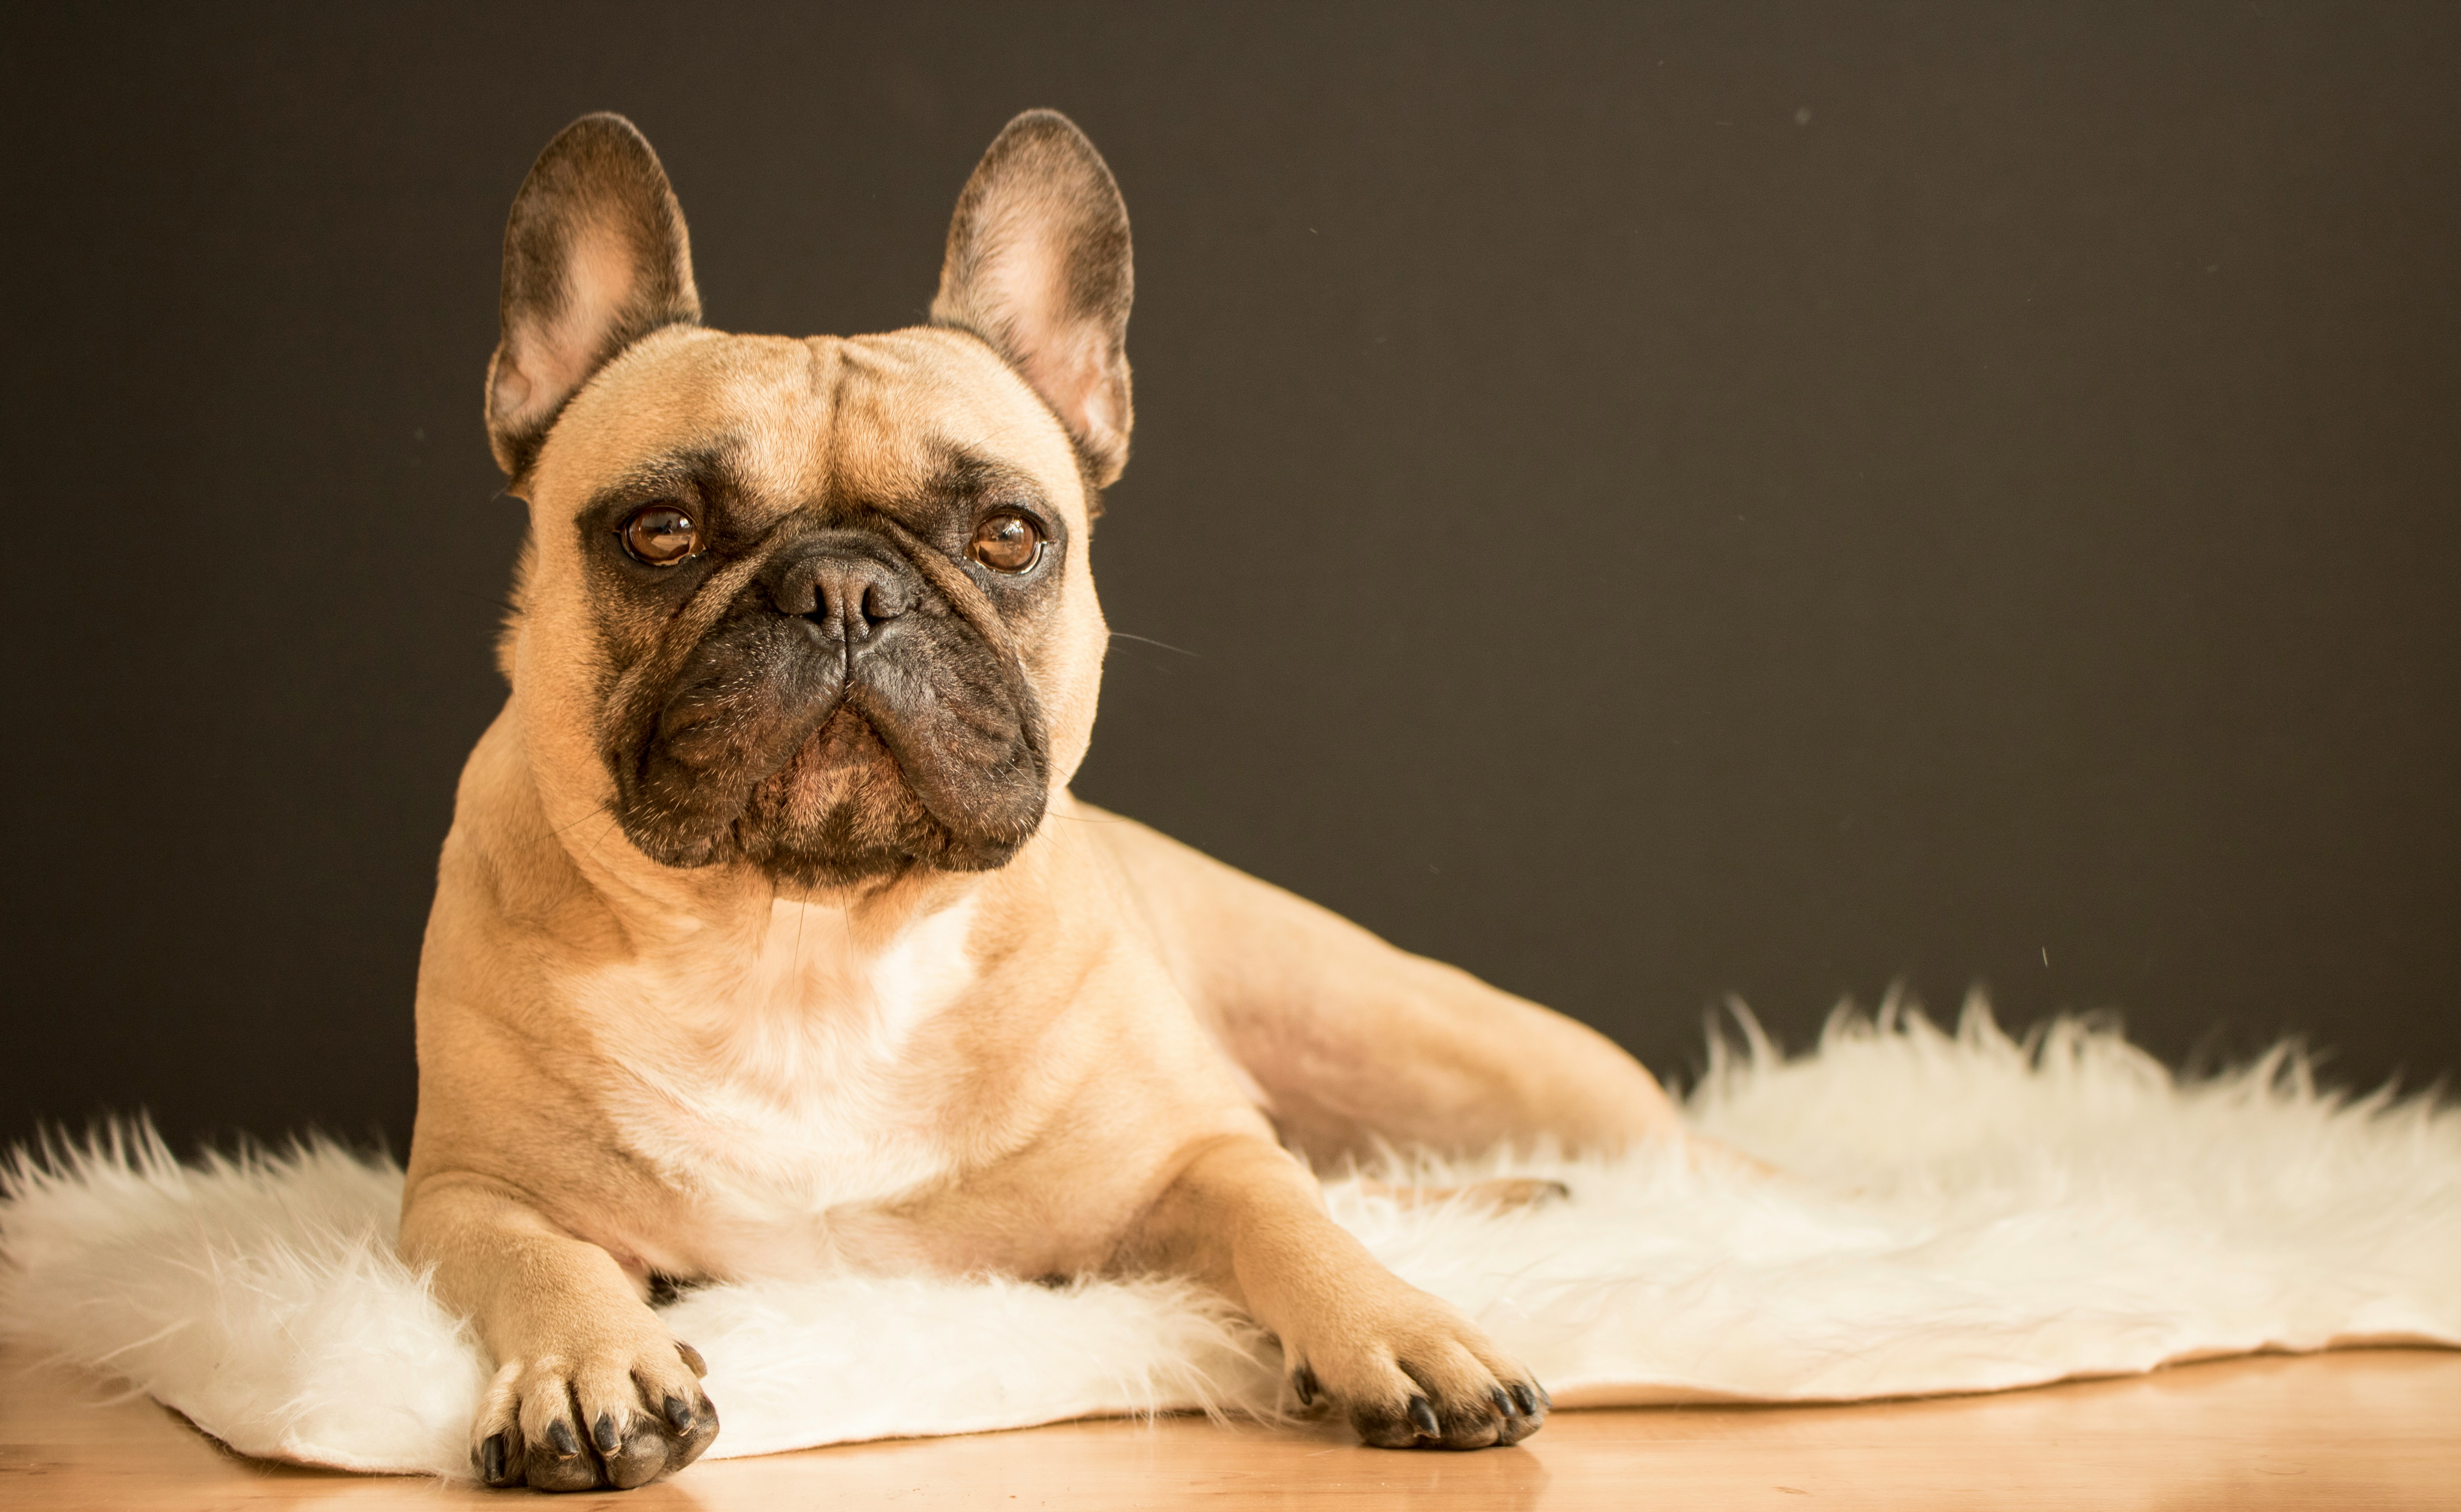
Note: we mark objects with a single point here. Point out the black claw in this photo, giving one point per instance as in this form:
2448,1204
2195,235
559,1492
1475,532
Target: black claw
491,1459
559,1437
1303,1383
1527,1399
602,1433
1422,1416
680,1414
1503,1403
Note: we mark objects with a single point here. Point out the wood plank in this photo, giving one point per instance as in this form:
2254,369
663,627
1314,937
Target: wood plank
2362,1428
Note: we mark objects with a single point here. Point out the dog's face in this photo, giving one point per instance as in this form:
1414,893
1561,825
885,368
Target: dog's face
820,607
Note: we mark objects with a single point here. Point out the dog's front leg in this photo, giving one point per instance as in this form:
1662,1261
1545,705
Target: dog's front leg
1406,1368
590,1390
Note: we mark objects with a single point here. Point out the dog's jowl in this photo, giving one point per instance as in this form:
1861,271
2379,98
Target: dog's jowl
768,936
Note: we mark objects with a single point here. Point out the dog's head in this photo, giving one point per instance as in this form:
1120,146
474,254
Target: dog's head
818,607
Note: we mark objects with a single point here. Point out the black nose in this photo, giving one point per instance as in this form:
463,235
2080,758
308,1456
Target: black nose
846,585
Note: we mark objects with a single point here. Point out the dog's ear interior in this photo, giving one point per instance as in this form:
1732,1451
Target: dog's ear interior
1038,266
595,258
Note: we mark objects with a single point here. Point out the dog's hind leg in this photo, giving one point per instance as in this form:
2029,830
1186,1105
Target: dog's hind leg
1356,1046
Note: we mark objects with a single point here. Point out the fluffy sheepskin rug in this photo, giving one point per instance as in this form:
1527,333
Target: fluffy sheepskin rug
1957,1213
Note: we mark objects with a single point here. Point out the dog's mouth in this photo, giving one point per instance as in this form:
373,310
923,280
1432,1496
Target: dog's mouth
830,768
840,809
843,810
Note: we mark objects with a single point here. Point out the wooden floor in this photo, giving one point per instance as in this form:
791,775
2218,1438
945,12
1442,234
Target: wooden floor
2364,1429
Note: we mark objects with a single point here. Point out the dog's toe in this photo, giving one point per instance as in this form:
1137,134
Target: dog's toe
633,1455
684,1429
557,1461
498,1458
497,1452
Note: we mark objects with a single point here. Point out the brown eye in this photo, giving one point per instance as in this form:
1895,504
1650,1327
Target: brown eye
660,535
1007,543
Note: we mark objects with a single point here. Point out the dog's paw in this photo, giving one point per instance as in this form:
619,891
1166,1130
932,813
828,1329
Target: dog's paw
1410,1373
1503,1195
616,1411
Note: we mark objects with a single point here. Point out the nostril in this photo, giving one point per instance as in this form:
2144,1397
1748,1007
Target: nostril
798,596
850,600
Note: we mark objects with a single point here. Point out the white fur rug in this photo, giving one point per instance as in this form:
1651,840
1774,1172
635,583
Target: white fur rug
1959,1213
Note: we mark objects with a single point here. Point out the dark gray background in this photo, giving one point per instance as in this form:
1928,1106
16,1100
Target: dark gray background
1656,501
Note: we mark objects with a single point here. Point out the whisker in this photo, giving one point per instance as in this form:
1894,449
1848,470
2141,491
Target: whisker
592,854
802,912
1122,635
602,808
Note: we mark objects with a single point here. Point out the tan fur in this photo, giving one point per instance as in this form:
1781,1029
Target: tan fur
1089,1059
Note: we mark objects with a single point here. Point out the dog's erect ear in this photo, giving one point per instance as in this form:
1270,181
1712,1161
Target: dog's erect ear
595,258
1038,266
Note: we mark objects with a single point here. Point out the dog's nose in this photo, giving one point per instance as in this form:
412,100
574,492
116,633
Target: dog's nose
849,590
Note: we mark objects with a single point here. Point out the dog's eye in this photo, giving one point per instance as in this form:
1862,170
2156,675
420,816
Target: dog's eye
1007,543
660,535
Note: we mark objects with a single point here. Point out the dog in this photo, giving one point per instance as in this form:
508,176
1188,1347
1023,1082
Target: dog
768,935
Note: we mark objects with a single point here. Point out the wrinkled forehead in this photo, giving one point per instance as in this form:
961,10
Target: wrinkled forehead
797,423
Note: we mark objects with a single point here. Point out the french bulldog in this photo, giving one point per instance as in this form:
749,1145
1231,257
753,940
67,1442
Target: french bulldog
768,935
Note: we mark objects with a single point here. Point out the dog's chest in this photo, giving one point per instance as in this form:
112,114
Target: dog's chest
784,1101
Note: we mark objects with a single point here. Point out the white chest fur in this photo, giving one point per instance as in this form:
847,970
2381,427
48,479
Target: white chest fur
774,1091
